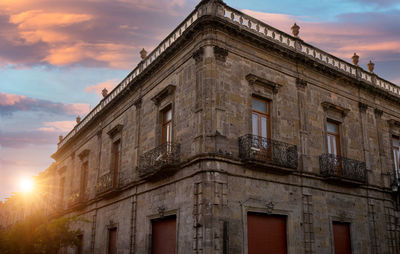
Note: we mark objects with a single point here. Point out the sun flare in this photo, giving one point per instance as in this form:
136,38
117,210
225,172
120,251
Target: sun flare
26,185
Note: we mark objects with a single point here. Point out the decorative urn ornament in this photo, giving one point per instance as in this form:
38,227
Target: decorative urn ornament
371,66
295,30
355,58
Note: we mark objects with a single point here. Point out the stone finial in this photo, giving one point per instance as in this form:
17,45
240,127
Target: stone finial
295,30
371,66
143,54
60,138
355,58
104,92
78,119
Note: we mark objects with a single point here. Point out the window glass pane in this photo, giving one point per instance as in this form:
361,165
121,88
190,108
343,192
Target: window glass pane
396,142
332,127
168,138
264,127
255,124
168,115
329,145
260,106
396,154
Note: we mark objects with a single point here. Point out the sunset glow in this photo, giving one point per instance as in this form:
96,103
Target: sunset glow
26,185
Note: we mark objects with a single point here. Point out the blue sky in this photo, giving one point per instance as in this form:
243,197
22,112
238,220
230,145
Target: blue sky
56,56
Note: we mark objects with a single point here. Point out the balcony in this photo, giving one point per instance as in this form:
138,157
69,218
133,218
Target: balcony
106,185
76,200
264,153
341,169
162,161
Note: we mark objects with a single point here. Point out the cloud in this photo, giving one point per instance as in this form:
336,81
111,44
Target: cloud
10,103
95,33
58,126
97,88
373,36
25,138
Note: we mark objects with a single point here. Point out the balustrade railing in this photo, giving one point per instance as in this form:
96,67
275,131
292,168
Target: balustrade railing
76,198
248,23
341,168
266,151
105,183
166,155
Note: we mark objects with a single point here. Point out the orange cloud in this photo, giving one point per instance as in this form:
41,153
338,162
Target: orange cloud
59,126
109,85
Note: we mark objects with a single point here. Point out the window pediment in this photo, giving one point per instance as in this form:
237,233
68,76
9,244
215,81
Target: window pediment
115,130
253,79
170,89
333,109
84,154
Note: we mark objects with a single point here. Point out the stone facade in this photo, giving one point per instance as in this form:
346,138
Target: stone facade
208,71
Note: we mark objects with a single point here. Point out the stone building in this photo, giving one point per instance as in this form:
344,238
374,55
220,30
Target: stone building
234,137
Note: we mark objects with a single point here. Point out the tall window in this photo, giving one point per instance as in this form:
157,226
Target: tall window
333,137
261,118
396,154
112,241
341,237
79,248
62,183
116,152
84,178
164,236
266,233
167,125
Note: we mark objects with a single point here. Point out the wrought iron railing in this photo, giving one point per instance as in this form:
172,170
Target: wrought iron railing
254,148
343,168
76,198
105,183
166,155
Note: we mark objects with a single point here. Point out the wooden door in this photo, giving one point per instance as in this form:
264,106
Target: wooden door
266,234
112,241
164,236
341,237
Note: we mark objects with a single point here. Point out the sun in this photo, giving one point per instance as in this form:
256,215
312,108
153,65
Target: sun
26,185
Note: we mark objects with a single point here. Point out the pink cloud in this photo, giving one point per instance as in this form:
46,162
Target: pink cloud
59,126
97,88
10,103
91,33
344,37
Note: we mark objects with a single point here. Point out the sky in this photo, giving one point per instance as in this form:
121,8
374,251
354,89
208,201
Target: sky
57,56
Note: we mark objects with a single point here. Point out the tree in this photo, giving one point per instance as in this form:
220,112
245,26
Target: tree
39,235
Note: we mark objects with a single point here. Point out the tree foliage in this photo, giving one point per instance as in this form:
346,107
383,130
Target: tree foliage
39,235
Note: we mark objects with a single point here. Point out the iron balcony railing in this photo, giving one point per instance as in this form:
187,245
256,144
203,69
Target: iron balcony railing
262,150
166,155
341,168
105,183
76,199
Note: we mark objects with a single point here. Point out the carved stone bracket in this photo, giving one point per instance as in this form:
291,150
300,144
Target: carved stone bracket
328,106
378,112
138,103
198,55
170,89
301,83
253,79
161,210
117,129
270,207
220,53
362,106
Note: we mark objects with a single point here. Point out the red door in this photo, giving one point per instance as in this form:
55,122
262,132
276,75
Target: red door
164,236
112,241
266,234
341,237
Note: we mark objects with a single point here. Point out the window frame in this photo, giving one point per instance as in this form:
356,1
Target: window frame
109,229
116,159
260,114
165,124
337,137
396,155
